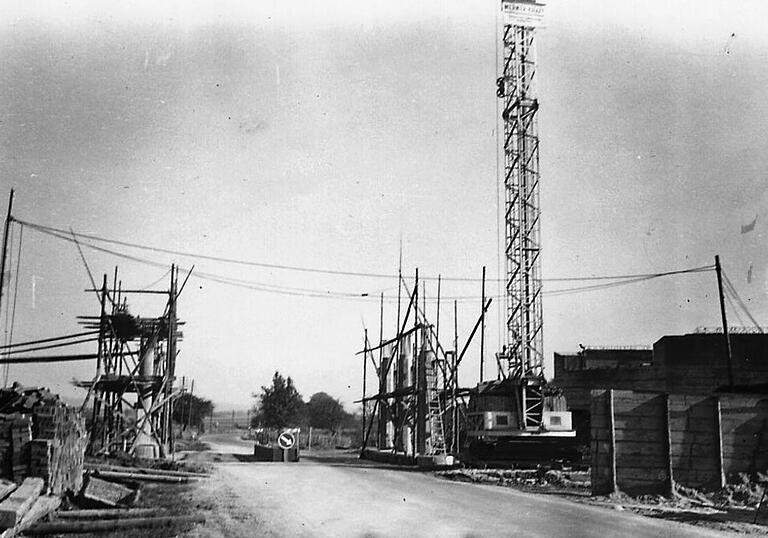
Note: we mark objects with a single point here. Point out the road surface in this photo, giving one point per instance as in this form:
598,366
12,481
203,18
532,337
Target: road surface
341,496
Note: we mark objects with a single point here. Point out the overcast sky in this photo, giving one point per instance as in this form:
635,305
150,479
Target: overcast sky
317,134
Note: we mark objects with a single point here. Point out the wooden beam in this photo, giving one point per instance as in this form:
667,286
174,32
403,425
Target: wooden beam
112,525
111,513
146,477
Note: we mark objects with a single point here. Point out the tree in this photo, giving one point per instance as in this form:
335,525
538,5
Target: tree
194,414
326,412
279,405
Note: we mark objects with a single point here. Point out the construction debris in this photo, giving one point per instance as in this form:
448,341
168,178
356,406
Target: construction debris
143,470
112,513
106,493
20,501
540,477
111,525
145,477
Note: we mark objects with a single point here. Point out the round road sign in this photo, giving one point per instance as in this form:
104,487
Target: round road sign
286,440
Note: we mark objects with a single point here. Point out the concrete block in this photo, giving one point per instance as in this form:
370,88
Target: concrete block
20,501
105,492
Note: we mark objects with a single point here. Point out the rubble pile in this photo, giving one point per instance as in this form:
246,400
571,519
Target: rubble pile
540,477
742,490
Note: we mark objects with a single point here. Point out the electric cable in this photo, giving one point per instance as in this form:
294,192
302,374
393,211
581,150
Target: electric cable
732,290
57,232
153,284
733,309
51,346
639,278
258,286
46,340
308,292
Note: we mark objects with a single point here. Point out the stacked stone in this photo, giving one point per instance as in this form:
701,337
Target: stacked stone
47,440
58,450
15,436
21,435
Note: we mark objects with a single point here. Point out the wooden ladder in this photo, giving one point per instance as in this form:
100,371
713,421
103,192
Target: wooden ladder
436,444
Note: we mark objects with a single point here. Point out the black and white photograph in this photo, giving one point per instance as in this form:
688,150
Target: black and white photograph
332,268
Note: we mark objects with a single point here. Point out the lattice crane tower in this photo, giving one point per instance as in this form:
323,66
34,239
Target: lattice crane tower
515,87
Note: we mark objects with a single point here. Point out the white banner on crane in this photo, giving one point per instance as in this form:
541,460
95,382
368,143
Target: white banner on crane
522,13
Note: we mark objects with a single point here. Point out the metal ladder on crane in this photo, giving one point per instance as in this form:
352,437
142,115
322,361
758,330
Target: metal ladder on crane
436,446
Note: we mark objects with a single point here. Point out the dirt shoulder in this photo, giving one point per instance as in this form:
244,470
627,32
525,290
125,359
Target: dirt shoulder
721,511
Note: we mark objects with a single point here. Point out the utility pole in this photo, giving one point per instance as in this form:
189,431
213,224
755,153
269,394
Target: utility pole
482,329
726,334
6,231
455,377
189,410
365,372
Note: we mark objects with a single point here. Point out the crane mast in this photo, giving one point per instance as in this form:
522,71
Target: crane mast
519,417
516,89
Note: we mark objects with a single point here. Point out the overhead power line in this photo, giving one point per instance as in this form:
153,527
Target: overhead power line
366,296
53,339
51,346
595,287
267,265
731,290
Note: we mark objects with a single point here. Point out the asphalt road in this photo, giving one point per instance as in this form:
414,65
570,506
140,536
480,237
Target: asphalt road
341,496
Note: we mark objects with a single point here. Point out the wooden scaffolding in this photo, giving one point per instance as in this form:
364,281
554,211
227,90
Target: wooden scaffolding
136,356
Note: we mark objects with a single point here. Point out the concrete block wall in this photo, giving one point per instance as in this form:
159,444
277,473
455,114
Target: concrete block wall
645,442
629,442
744,420
694,440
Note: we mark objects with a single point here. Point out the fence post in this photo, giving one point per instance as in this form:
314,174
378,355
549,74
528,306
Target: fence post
668,446
720,462
612,430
